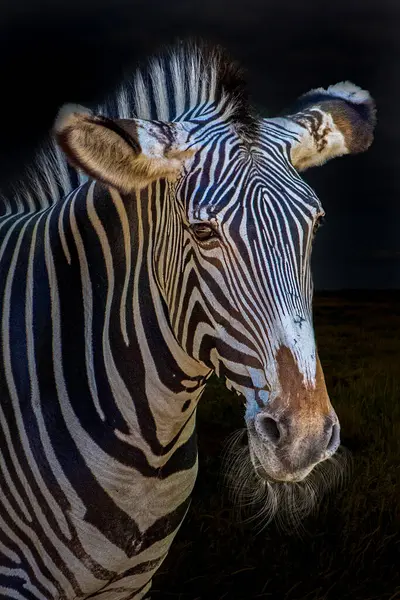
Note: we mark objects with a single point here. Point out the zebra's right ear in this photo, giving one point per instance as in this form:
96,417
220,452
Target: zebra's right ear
126,154
329,123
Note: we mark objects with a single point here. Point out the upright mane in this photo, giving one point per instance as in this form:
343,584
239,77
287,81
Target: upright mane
188,80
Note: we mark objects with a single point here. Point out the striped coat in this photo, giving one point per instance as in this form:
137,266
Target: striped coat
174,243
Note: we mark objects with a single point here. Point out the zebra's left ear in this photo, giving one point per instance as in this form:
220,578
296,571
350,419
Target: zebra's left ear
330,123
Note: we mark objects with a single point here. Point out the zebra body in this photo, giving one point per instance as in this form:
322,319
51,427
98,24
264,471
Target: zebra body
85,468
185,253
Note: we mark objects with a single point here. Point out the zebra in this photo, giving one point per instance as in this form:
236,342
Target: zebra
158,238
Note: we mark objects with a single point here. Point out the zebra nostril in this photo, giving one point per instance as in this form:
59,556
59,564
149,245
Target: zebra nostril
268,429
334,440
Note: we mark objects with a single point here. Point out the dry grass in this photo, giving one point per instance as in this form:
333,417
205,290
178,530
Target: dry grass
350,548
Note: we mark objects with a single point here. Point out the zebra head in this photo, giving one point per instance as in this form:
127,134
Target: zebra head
231,227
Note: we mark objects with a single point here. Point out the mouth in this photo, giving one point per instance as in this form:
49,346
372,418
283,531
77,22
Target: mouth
264,476
260,495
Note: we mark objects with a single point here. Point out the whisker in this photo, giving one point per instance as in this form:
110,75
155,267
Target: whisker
259,501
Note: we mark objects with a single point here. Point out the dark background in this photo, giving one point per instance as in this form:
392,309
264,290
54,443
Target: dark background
53,52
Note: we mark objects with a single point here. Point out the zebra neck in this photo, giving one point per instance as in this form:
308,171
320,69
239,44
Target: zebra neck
139,378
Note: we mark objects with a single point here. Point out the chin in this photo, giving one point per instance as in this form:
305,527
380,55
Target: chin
277,476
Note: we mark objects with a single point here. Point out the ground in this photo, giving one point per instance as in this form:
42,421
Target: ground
350,548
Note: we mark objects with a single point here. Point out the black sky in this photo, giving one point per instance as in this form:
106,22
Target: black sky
74,51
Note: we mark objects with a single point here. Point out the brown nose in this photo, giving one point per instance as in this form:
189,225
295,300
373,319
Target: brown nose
307,445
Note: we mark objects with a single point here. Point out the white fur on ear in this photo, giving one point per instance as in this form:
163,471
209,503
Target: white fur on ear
349,91
344,90
66,115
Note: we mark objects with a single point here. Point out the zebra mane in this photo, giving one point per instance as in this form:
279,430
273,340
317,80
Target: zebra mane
186,80
189,75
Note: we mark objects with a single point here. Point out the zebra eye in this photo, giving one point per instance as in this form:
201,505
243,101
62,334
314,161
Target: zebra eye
202,231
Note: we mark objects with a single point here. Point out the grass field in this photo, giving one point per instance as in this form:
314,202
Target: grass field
350,548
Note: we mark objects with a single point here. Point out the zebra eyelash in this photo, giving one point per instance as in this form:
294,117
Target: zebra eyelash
204,231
